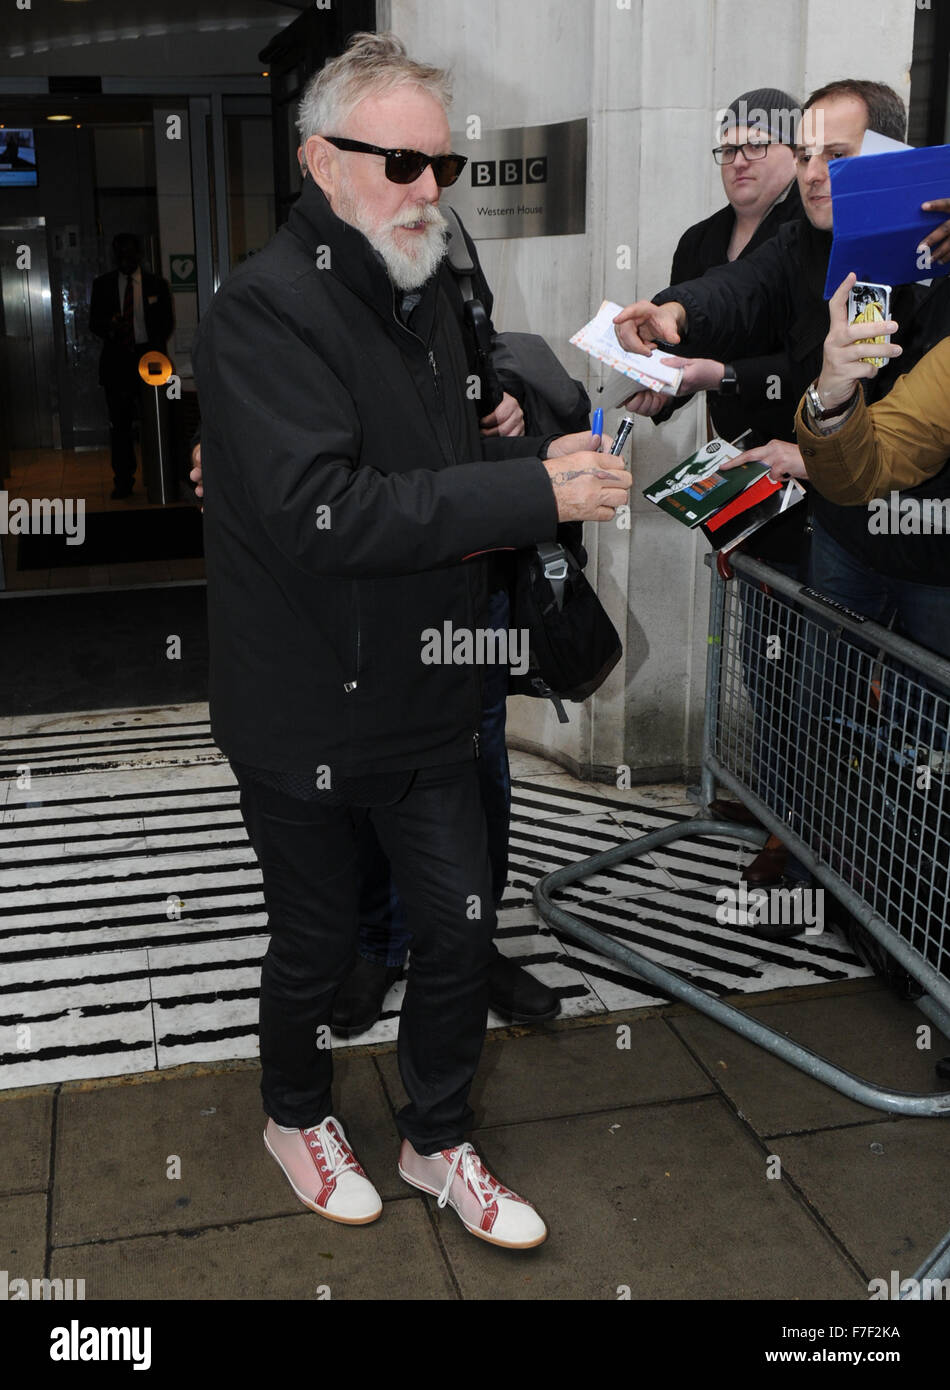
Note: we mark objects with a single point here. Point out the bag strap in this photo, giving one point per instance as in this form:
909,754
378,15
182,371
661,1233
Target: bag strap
553,556
458,255
462,265
556,566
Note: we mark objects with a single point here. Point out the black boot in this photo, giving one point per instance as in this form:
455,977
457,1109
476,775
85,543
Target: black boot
359,1000
518,996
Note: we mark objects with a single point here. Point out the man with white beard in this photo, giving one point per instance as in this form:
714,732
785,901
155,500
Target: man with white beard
349,500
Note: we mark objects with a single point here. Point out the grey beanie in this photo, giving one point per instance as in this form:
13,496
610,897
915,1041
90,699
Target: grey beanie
765,108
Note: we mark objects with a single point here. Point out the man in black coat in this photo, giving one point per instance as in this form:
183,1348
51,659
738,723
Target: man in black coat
349,501
757,161
131,311
755,156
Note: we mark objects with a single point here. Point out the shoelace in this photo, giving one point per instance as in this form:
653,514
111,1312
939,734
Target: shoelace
468,1164
339,1158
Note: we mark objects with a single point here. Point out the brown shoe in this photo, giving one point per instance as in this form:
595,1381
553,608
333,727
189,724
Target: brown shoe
768,866
734,811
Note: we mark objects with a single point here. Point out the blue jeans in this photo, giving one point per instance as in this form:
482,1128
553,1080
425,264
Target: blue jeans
922,611
384,934
919,612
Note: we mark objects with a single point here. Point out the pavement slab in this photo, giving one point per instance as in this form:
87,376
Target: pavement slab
25,1142
574,1072
883,1188
662,1202
301,1257
115,1147
872,1034
22,1237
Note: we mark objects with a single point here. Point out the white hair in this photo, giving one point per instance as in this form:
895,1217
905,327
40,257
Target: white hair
372,65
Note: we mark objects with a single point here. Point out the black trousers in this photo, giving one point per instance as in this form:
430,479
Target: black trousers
434,837
124,404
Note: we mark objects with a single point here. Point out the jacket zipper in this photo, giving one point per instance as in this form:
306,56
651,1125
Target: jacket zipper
430,354
437,382
435,372
350,686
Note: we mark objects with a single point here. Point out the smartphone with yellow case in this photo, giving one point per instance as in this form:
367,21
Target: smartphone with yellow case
870,304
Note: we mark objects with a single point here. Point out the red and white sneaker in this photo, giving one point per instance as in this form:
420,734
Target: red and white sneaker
322,1170
459,1179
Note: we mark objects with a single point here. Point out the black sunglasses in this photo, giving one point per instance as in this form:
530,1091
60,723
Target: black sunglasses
405,166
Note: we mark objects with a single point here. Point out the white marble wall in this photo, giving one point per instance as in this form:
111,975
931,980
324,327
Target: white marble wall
650,75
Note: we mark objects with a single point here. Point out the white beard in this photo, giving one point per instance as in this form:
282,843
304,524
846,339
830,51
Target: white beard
408,269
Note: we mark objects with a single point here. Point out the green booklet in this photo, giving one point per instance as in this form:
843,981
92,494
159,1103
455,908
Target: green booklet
696,489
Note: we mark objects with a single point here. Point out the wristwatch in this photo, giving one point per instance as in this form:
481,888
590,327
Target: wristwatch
817,409
729,386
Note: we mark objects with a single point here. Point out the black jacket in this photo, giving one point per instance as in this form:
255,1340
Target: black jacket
701,248
772,302
344,486
115,359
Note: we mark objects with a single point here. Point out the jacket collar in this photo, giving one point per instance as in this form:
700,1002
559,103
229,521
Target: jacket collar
816,251
353,260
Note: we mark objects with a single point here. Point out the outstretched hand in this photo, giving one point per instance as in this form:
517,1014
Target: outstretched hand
784,460
699,373
641,326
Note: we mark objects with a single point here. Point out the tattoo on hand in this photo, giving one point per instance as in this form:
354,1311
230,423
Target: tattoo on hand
558,478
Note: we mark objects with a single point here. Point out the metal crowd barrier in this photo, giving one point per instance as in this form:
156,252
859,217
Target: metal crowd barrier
835,733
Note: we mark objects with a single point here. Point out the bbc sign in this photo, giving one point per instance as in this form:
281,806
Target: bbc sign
526,181
487,173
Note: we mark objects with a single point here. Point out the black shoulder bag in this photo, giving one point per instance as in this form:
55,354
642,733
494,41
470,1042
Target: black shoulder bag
572,644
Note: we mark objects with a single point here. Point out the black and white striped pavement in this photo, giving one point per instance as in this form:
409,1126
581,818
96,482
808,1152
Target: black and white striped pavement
132,924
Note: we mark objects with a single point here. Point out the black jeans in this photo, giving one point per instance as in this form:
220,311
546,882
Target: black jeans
384,936
124,403
435,840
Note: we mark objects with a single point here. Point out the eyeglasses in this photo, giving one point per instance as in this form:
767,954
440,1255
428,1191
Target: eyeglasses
753,149
405,166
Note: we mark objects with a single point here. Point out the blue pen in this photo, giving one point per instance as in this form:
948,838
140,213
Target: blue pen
597,426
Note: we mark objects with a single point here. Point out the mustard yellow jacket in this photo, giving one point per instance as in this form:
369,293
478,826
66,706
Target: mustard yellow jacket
896,443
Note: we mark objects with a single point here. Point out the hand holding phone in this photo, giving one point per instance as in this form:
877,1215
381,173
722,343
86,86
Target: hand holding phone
845,352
